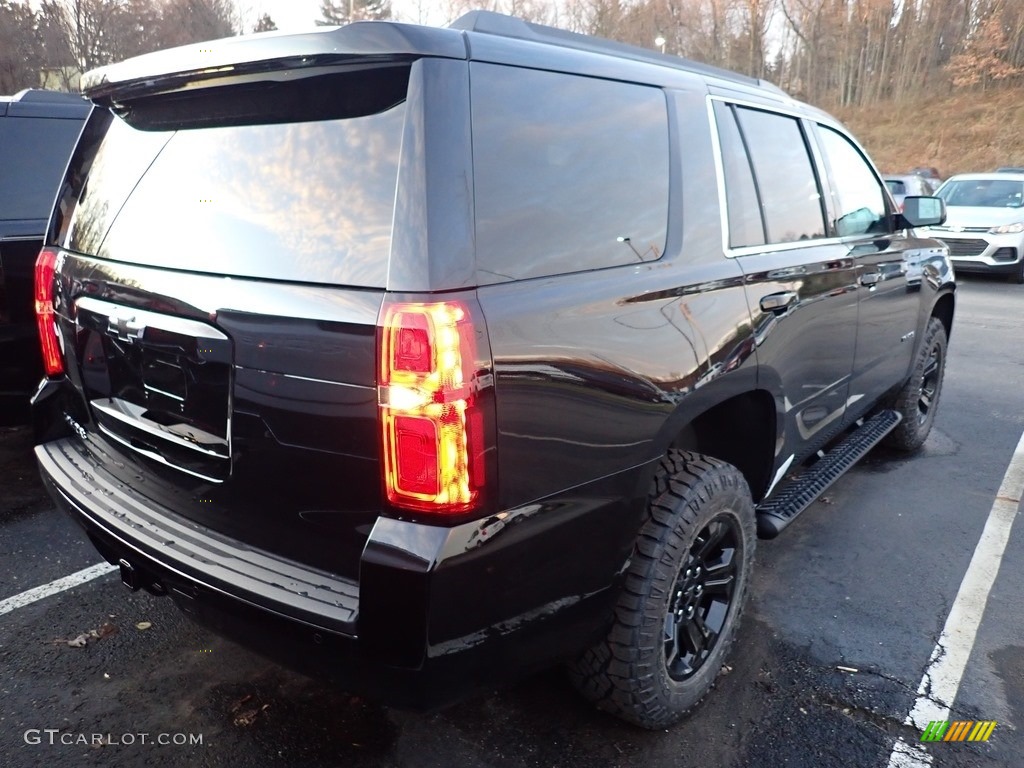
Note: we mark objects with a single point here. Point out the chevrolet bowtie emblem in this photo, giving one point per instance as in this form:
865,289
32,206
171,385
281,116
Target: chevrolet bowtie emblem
125,328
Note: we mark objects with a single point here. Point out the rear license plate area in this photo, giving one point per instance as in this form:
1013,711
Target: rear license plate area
158,384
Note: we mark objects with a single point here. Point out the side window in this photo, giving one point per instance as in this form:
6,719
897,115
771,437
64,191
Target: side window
570,173
858,197
745,224
790,198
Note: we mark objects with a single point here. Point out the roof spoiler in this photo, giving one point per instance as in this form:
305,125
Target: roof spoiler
268,55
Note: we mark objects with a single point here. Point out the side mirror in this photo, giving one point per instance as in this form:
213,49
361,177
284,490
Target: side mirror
924,211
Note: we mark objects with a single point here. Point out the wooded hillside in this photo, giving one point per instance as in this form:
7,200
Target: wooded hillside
833,53
922,82
969,130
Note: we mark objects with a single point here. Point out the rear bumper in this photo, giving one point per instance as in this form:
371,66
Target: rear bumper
427,624
157,541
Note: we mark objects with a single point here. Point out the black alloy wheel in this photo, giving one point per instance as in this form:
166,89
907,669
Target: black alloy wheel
930,381
677,616
702,597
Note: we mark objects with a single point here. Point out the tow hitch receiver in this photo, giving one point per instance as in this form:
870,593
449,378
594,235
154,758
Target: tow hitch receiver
128,575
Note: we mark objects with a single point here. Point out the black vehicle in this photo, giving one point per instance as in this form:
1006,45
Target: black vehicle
38,130
423,358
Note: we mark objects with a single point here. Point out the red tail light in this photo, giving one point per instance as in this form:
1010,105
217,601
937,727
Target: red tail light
430,417
53,361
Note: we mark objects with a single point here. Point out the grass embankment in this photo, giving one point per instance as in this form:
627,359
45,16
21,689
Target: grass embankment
963,131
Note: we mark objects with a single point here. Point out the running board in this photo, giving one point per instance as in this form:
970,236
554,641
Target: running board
797,495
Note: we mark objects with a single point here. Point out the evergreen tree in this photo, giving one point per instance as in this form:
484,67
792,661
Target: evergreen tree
344,11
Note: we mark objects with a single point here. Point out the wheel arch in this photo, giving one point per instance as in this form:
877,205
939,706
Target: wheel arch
739,426
943,309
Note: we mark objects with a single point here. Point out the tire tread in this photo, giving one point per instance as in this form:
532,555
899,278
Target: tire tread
908,434
617,674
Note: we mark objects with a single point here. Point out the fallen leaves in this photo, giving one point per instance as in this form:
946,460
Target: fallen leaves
91,636
246,715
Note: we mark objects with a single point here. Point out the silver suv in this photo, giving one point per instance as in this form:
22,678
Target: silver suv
904,185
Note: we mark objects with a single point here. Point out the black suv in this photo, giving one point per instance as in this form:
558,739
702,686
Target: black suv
38,130
422,358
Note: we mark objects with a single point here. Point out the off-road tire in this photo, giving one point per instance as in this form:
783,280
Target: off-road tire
913,430
627,673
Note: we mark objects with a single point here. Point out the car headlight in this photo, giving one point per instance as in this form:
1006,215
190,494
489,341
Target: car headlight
1008,229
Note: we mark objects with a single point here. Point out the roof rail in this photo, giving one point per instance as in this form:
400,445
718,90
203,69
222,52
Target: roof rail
491,23
40,96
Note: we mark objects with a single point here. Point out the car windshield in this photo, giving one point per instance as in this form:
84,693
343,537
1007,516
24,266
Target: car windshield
984,193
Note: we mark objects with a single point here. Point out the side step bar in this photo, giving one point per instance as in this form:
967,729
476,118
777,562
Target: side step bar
797,495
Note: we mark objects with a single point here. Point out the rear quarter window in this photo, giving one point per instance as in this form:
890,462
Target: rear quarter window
570,173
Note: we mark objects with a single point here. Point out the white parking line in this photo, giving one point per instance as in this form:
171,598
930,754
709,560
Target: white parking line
941,681
29,596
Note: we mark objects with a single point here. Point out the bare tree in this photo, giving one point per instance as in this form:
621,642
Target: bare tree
264,24
836,53
603,18
87,27
193,21
138,29
21,52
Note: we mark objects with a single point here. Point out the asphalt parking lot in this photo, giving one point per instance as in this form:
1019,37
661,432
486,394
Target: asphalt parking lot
846,611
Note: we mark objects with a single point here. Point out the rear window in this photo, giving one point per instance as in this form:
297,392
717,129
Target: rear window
33,154
257,190
570,173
